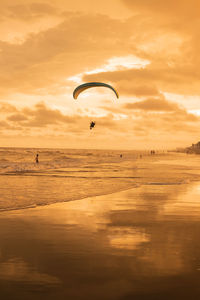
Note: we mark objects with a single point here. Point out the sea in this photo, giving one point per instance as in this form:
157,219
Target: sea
62,175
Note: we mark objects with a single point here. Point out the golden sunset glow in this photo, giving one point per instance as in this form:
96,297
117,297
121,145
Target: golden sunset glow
147,50
99,149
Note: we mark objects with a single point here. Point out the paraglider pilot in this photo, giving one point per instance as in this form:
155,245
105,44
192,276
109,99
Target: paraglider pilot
92,124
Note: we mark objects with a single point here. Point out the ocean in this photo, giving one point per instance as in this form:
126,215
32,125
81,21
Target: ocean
62,175
69,174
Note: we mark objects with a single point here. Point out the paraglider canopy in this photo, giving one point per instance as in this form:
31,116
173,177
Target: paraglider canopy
88,85
92,124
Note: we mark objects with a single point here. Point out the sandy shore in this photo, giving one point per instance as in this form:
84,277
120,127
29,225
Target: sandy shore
142,243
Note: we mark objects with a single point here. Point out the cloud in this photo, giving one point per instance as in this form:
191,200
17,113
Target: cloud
180,80
43,62
4,125
136,122
170,40
131,88
158,117
30,11
7,108
153,104
40,116
49,57
17,117
173,9
166,34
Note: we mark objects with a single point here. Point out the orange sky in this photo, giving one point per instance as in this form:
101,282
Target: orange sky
147,49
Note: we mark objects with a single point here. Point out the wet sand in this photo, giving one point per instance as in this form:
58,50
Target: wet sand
142,243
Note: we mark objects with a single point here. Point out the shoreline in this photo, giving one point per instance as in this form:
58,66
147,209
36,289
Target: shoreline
2,211
62,202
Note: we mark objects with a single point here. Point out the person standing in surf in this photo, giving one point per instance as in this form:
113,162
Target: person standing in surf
37,158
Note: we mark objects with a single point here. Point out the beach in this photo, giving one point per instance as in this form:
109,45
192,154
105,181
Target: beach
125,229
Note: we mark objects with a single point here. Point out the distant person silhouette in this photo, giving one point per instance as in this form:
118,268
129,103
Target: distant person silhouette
121,155
37,158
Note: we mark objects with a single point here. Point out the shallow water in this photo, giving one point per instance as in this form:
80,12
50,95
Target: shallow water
142,243
65,175
61,175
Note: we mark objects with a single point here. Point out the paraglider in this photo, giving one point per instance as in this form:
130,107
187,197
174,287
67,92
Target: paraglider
88,85
79,89
92,124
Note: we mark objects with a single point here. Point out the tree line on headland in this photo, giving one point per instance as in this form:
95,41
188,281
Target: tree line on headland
193,149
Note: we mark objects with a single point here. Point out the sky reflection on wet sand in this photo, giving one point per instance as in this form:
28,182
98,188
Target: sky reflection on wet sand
138,243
